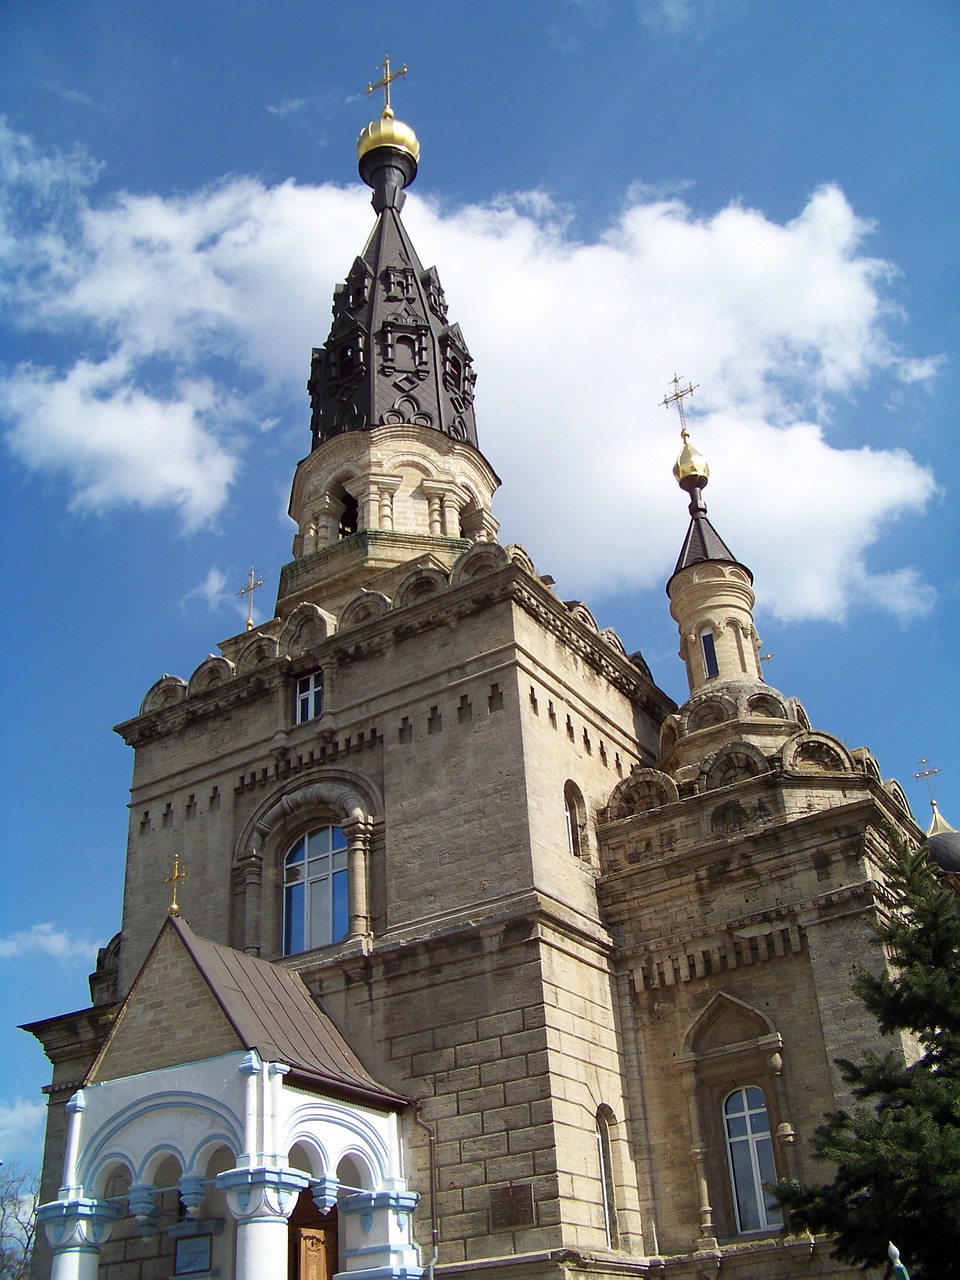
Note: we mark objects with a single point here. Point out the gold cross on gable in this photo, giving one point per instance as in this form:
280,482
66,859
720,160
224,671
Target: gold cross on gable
253,582
178,875
679,392
385,81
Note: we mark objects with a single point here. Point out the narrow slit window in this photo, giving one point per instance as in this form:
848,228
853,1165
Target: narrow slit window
709,647
607,1184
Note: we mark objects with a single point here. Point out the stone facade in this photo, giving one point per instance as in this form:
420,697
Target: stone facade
577,918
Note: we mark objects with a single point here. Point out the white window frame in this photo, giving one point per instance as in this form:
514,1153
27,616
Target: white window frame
750,1160
316,890
309,696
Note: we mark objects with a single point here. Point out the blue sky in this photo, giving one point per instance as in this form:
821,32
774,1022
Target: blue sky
761,197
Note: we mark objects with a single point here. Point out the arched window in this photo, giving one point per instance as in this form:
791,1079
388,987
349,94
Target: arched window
315,910
750,1160
575,814
607,1184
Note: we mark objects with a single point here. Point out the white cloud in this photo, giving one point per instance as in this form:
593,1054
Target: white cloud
574,343
21,1123
120,443
212,590
685,17
46,940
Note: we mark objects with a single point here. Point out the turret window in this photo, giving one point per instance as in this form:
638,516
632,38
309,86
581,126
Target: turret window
315,910
709,648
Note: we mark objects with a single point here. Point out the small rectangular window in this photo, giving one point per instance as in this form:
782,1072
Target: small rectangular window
309,697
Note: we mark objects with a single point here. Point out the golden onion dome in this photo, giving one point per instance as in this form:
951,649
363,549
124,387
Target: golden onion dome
388,132
690,469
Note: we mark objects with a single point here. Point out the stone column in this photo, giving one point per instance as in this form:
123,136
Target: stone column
357,831
388,486
75,1230
327,520
452,504
698,1153
435,494
377,1235
261,1200
248,876
368,505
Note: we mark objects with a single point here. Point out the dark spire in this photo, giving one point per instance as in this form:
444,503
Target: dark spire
391,356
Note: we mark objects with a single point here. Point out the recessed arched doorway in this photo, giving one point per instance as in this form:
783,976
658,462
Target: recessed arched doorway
314,1252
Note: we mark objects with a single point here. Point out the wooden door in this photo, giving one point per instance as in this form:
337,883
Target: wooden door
314,1253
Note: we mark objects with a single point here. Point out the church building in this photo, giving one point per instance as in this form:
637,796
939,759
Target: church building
488,957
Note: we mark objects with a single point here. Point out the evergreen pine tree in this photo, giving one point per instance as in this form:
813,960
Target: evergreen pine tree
897,1155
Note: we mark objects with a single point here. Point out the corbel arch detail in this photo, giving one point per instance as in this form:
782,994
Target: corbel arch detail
734,762
306,628
259,649
813,753
163,693
482,558
364,607
641,791
211,672
422,582
702,712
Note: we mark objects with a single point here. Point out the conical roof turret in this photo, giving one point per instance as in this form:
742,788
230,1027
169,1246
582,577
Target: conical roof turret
711,592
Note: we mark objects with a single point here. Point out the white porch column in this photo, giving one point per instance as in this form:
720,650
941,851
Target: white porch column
76,1229
261,1200
250,1067
378,1235
74,1109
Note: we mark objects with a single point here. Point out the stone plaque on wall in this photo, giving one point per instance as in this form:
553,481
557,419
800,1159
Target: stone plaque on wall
511,1207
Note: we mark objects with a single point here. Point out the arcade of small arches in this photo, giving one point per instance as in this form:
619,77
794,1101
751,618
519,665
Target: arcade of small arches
242,1174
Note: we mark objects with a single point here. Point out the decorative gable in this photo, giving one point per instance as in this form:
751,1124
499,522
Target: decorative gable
170,1017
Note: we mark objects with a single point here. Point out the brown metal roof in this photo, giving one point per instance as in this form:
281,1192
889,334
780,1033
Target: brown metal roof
703,543
272,1011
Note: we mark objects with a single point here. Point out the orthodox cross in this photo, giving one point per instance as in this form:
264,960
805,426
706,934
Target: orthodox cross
253,582
926,773
677,398
178,875
385,81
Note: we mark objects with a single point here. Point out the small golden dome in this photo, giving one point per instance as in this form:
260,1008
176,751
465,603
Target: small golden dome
388,132
690,469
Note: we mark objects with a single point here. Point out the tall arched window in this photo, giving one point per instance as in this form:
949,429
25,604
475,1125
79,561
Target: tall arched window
607,1183
315,910
576,817
750,1160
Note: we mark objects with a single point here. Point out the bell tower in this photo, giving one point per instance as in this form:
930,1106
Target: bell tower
394,439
